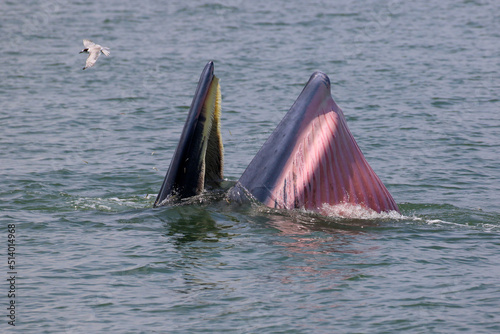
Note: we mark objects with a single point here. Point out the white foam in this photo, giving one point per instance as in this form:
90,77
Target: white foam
111,204
356,211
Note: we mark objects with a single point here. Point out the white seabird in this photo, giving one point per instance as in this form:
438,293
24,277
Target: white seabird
94,51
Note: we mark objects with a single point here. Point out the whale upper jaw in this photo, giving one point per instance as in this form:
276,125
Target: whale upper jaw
199,158
311,158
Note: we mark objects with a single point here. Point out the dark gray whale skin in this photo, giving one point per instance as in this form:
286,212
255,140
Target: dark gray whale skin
187,174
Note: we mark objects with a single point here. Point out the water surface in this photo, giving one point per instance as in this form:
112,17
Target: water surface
83,154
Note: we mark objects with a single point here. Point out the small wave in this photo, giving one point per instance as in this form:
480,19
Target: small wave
465,218
113,203
488,227
433,221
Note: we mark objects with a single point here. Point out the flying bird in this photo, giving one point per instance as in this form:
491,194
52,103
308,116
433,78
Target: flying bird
94,51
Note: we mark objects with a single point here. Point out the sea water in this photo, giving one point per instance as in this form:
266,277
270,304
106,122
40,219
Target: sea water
83,155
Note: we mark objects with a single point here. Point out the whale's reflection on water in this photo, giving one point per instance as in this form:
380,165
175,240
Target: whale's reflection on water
321,247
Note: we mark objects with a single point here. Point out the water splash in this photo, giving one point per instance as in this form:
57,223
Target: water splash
356,211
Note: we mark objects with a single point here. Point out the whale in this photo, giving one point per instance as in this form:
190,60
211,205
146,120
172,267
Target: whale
311,160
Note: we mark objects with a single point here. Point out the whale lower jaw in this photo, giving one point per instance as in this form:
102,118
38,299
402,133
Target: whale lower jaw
311,158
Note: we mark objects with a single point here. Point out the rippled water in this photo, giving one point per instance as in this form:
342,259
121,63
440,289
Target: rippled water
83,154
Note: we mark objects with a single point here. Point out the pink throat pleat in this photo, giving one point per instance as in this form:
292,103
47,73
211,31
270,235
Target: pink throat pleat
327,167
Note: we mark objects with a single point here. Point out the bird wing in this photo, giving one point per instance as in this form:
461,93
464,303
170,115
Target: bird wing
87,43
106,51
92,58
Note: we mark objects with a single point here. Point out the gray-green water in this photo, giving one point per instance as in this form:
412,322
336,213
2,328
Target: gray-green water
83,154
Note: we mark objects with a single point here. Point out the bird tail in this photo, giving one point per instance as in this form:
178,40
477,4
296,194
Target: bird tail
106,51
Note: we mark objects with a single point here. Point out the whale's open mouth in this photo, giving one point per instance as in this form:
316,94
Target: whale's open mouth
311,158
